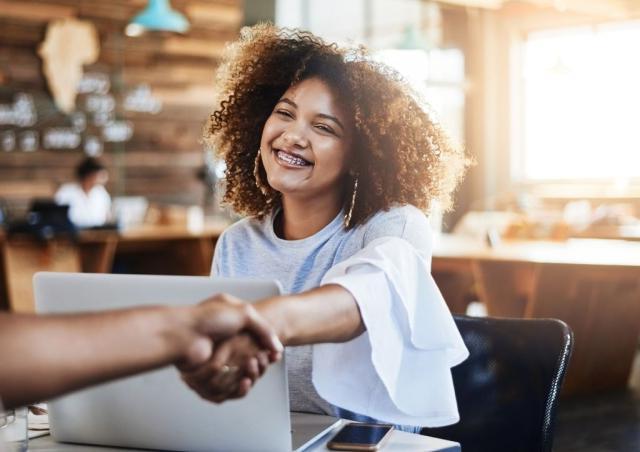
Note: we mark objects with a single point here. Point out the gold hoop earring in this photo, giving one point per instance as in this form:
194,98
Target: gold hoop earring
256,174
347,217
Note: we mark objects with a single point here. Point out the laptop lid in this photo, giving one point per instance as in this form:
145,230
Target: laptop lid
156,410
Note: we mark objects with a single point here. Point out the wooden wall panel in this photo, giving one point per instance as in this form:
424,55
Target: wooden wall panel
163,157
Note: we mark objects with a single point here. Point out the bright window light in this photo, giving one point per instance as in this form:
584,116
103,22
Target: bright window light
581,105
438,75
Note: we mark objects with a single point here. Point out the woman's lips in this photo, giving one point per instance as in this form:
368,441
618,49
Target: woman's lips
290,160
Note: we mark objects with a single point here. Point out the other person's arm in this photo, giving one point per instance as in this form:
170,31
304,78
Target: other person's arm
45,356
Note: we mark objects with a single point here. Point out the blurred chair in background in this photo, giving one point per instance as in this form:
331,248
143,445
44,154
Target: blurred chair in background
44,241
22,257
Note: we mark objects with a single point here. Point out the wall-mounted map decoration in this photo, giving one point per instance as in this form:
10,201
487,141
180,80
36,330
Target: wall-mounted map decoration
69,44
82,112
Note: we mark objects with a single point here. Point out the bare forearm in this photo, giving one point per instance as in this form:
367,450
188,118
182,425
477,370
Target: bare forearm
325,314
44,356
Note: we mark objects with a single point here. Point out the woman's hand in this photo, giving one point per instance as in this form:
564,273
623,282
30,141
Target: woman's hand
234,367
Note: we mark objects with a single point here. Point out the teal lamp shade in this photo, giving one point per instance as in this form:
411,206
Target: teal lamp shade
157,16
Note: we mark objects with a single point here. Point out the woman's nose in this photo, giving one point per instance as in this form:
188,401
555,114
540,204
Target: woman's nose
293,136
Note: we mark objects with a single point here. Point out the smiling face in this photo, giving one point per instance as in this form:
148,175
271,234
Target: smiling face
306,142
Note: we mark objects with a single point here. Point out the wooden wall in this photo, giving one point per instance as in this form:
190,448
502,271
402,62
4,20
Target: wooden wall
165,152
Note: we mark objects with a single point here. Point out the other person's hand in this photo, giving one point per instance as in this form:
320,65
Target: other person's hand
218,318
235,366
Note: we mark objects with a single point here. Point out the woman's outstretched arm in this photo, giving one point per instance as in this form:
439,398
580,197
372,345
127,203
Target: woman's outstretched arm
325,314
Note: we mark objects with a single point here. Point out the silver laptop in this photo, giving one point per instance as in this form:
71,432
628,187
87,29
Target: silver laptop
156,410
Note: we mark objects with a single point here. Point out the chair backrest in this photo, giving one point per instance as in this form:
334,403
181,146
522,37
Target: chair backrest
23,257
507,390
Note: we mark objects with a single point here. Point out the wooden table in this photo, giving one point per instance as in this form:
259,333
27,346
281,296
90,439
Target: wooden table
620,232
160,249
451,248
148,249
399,441
592,285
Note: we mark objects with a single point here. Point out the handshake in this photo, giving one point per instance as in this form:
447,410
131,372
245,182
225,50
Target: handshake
223,346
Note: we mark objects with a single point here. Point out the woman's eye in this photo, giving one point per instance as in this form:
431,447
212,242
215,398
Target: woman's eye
284,113
325,128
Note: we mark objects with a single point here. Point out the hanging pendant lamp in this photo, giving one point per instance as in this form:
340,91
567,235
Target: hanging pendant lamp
157,16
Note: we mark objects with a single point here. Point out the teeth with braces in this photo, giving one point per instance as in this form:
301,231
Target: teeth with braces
292,160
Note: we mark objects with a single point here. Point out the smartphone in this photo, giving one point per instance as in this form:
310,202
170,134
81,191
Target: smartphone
357,436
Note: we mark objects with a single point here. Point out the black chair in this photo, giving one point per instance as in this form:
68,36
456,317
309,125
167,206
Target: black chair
507,390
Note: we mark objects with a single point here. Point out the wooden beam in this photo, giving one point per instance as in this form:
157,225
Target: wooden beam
192,47
201,95
26,189
203,13
35,12
170,73
485,4
155,159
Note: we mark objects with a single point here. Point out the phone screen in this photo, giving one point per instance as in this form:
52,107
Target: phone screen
361,434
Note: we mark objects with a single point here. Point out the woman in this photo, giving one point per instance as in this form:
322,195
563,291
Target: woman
331,158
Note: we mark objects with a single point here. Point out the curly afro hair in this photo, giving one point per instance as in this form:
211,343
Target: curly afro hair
401,155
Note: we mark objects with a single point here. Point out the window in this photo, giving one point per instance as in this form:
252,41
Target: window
438,75
581,106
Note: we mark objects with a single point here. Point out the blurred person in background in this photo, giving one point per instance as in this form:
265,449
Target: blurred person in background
88,200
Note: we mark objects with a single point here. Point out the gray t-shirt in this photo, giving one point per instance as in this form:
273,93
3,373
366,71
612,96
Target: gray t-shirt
251,249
